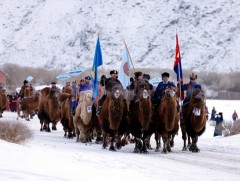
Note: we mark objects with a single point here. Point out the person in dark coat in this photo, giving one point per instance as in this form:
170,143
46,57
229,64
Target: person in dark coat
138,83
189,87
146,77
162,86
13,102
25,85
108,83
218,127
213,114
54,87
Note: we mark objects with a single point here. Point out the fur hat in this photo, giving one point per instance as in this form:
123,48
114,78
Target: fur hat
87,78
103,77
137,74
146,76
25,82
113,72
53,82
165,74
193,76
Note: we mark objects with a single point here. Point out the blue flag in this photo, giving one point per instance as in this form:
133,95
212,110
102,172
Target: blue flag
96,63
124,70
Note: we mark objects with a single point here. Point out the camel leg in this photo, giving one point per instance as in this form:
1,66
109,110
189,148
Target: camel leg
54,127
105,142
138,145
118,142
193,146
112,148
77,134
184,134
172,140
99,138
148,144
48,128
125,139
168,143
145,141
41,128
189,141
158,141
165,142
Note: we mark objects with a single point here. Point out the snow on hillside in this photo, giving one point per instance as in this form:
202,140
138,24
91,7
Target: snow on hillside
62,33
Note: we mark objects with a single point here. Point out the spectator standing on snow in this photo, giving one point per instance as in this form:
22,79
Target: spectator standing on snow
213,114
234,115
218,127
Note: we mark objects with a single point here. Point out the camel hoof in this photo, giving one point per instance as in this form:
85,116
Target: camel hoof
144,151
184,149
136,150
164,151
112,148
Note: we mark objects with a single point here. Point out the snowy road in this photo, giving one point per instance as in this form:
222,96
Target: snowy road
50,156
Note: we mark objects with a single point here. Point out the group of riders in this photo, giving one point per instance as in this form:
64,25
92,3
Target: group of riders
105,85
142,80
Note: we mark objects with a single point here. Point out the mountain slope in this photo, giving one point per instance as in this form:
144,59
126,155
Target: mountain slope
59,34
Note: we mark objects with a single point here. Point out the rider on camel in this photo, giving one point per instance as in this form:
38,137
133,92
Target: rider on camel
108,87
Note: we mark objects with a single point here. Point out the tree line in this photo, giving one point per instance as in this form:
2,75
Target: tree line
211,82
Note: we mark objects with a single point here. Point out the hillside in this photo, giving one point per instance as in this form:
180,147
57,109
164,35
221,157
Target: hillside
60,34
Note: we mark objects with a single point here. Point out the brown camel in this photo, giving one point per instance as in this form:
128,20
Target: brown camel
49,109
140,119
194,119
29,104
65,100
111,115
167,119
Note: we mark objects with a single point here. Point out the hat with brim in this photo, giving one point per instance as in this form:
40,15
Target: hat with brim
25,82
193,76
165,74
113,72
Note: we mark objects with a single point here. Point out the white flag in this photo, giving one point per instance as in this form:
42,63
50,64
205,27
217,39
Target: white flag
124,74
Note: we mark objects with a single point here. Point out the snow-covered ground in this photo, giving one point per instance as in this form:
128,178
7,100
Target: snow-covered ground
51,157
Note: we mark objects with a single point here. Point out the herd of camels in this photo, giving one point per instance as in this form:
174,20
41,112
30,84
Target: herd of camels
114,127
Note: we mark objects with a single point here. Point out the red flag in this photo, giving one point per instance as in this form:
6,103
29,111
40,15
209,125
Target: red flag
178,66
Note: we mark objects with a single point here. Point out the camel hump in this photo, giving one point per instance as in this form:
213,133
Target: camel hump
64,96
45,91
68,89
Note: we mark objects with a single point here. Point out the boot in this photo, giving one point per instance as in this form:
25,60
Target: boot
99,110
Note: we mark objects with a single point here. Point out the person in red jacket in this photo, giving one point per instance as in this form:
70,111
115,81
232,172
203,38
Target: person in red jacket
234,115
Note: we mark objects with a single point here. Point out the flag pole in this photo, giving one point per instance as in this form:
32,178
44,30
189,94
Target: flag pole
129,56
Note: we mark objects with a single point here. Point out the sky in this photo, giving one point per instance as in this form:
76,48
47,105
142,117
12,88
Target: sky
51,157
